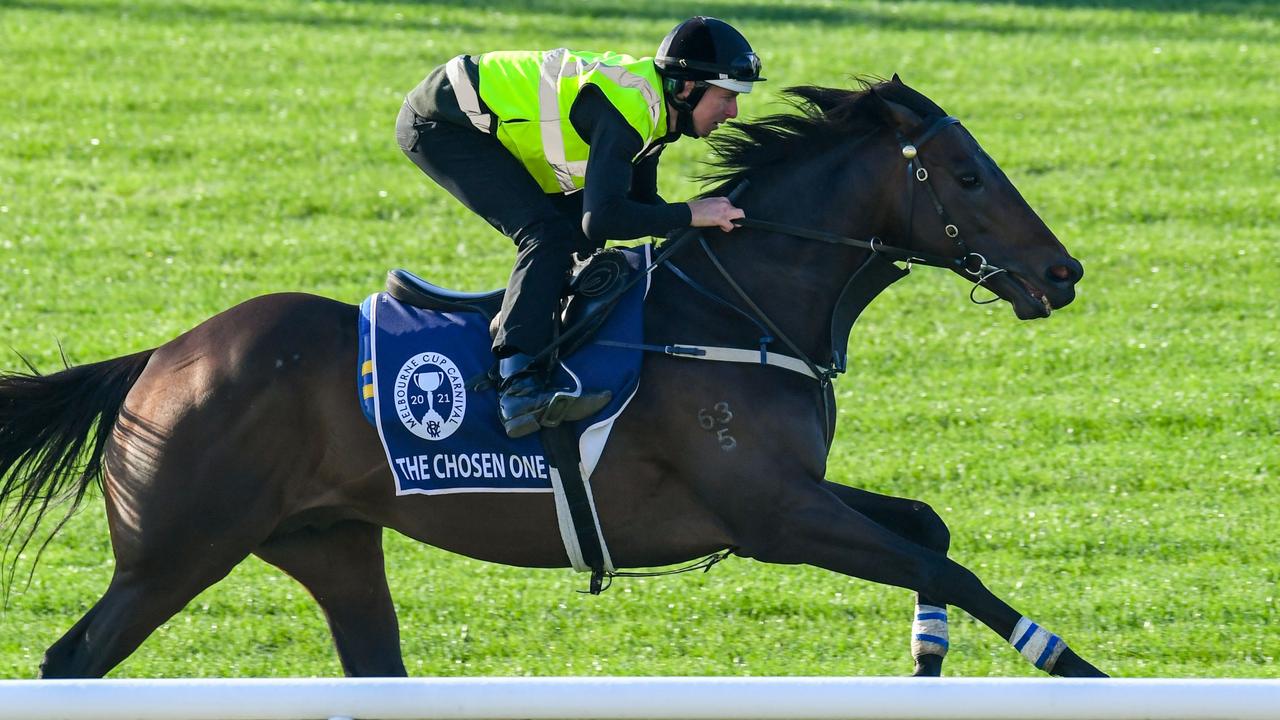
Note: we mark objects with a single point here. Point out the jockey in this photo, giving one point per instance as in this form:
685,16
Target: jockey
559,151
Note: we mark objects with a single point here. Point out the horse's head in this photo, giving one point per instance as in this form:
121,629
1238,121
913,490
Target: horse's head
952,199
886,162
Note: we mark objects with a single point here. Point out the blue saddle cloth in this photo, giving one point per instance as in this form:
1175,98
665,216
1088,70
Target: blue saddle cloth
441,437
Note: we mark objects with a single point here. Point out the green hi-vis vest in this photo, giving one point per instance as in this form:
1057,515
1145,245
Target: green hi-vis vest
530,93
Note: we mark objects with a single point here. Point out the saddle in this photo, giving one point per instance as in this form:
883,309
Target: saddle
413,290
596,286
595,283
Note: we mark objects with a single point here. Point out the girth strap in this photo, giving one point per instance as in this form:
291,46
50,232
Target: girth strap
584,542
755,357
823,375
724,354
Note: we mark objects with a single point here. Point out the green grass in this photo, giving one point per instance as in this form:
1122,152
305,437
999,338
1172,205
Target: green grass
1108,471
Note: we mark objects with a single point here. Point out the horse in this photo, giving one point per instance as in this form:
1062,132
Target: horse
244,436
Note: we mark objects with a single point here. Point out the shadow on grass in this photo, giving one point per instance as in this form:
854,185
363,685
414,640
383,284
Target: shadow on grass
795,12
563,20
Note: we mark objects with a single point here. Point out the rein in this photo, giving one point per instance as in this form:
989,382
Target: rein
874,244
968,262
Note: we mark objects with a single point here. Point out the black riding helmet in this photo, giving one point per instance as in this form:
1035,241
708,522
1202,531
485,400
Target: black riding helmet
708,52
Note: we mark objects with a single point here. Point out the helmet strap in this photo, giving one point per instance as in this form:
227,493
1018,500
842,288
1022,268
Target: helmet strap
684,108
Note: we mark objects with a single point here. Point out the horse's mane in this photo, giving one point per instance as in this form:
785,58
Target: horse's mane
825,116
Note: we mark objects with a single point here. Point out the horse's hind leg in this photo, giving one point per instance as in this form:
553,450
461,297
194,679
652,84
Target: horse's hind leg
813,526
192,539
342,567
60,656
917,522
136,602
189,495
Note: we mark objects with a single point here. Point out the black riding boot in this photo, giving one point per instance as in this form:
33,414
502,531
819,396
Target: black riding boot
528,401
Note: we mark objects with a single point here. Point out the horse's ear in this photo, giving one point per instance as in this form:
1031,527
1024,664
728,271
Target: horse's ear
896,79
898,115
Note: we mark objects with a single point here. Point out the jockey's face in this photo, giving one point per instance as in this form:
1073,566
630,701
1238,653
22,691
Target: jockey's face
716,106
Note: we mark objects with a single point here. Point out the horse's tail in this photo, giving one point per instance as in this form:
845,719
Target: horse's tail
48,423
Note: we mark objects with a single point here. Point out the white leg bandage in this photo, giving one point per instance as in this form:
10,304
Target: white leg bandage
929,631
1039,646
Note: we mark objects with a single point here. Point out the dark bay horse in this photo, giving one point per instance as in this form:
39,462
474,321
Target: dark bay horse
244,435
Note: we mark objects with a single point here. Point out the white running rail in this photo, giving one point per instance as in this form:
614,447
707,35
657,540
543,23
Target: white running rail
641,697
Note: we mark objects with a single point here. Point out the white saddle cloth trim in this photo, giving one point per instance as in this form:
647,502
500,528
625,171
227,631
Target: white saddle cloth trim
591,446
567,535
592,442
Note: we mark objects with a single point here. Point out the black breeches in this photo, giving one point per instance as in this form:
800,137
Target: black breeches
547,229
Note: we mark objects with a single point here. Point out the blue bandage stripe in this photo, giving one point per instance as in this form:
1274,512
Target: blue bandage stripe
1048,650
931,616
1022,641
933,639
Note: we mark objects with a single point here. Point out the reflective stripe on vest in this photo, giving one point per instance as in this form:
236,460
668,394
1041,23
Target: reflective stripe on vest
561,150
553,68
465,93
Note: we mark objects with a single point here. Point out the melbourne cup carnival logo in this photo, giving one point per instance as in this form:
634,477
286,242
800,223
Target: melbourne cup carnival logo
430,396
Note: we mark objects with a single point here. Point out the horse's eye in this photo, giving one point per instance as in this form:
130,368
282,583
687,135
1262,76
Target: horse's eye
970,181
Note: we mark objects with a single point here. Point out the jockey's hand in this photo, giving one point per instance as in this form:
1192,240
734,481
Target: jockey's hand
714,212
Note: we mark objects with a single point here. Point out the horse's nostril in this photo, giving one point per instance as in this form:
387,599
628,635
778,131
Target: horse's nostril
1060,274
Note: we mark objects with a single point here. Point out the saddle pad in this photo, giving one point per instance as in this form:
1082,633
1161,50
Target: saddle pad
441,437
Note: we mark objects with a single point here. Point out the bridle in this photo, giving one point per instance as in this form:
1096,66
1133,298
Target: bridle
969,262
966,261
972,263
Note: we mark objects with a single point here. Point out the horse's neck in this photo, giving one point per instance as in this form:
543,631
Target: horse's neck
797,282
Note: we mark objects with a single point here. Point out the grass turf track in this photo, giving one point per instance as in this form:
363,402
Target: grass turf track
1109,471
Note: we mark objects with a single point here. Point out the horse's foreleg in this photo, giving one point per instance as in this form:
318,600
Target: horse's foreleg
917,522
343,569
813,526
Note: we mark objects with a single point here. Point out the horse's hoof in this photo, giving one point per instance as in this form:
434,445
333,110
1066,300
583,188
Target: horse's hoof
1070,664
928,666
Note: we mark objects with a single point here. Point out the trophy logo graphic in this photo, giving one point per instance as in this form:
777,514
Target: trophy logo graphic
430,396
